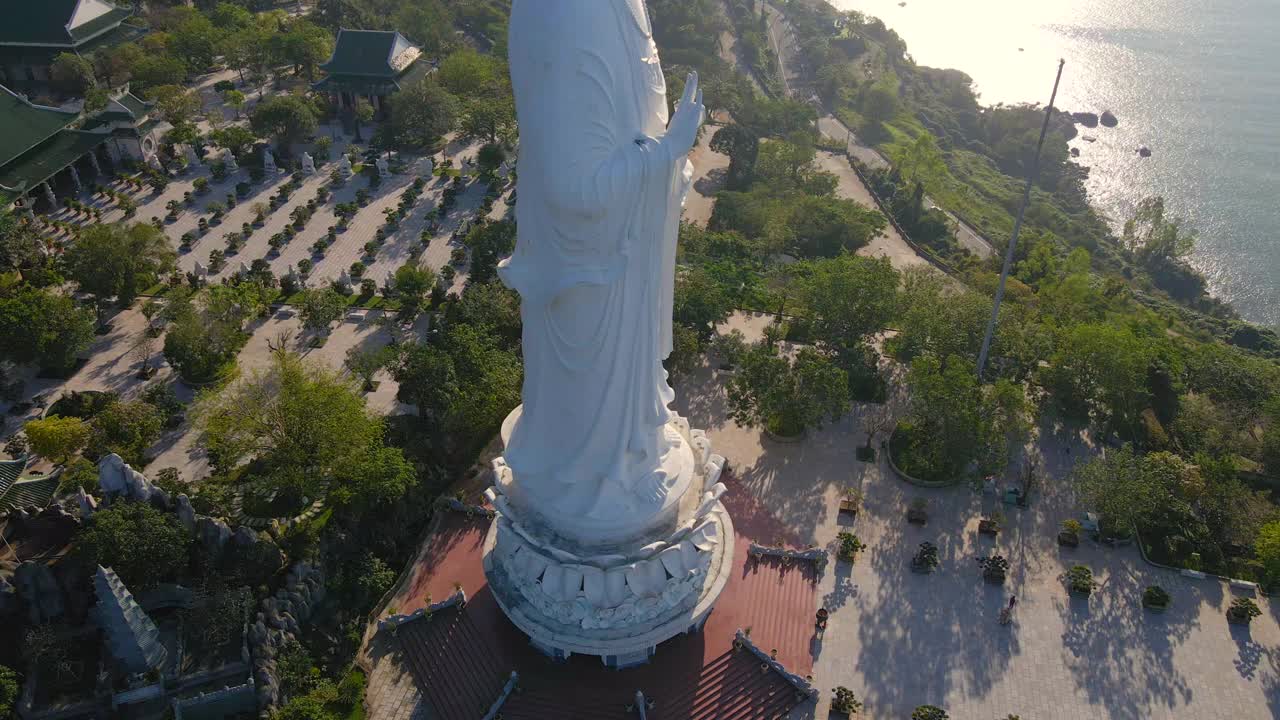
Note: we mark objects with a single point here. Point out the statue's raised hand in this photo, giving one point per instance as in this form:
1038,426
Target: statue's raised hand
682,131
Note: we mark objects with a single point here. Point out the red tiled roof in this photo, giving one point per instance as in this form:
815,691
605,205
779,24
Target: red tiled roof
461,659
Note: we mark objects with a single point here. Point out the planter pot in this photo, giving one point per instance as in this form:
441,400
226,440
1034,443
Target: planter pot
921,568
1080,591
1067,539
917,517
1155,608
994,578
988,527
1238,619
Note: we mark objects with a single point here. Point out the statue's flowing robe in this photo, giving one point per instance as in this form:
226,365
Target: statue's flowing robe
594,263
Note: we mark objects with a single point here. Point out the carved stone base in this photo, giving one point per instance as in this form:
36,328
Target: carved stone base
621,600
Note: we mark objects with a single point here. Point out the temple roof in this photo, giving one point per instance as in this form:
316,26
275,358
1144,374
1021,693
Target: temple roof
57,23
24,125
371,53
132,637
47,159
35,491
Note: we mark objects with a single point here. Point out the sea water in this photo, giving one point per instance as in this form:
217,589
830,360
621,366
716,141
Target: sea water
1197,82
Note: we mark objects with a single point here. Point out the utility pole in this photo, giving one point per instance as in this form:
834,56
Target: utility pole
1017,227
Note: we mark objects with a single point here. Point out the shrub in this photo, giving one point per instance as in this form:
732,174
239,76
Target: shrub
304,266
371,248
368,287
1243,610
1080,580
1072,526
357,269
929,712
926,558
850,544
844,701
1156,596
994,568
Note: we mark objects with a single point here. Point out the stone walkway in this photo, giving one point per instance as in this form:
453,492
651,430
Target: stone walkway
899,640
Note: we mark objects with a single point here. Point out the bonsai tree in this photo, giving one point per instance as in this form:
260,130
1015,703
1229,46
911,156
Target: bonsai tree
1070,534
1080,580
1156,598
926,558
1242,611
357,269
990,525
917,511
844,701
929,712
849,546
994,568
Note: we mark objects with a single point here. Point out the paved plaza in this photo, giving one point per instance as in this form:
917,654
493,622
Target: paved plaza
899,639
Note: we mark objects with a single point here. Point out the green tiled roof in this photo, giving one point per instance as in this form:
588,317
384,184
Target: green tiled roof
48,158
135,105
17,493
366,52
44,22
36,492
24,125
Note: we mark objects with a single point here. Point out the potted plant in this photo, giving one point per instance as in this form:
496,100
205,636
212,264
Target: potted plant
1242,611
201,185
849,546
317,248
368,287
844,701
1069,536
357,269
926,558
1156,599
188,238
918,511
304,266
851,502
994,569
203,224
990,525
1080,580
929,712
362,197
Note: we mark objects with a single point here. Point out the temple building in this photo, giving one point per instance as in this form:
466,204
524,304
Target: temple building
132,637
18,493
35,32
371,64
48,152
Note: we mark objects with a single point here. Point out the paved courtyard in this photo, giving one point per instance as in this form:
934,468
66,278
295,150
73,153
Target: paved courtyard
899,639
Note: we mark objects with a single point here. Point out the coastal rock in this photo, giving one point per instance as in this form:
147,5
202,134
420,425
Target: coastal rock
1144,151
1075,152
1108,119
1087,119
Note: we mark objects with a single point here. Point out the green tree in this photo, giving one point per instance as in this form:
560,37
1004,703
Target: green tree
57,438
489,242
20,247
1267,548
304,423
364,364
743,147
45,327
422,113
118,260
826,226
466,73
850,298
1151,235
287,118
1101,369
786,396
142,544
206,331
488,119
197,42
119,63
152,70
10,689
304,46
1130,491
700,303
71,75
464,382
126,429
411,285
920,160
321,308
234,99
236,138
490,156
878,101
943,431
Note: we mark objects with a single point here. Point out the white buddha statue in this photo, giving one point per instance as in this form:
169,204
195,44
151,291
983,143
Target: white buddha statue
594,450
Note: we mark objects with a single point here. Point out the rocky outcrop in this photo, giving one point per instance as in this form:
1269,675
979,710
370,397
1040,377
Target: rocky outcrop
1087,119
1144,151
116,478
1108,119
278,623
39,589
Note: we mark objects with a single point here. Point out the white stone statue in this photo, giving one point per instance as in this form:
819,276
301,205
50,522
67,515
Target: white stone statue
431,166
344,166
308,164
232,165
189,153
384,170
268,160
603,175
